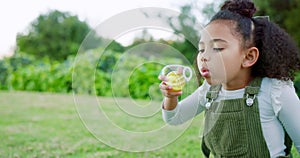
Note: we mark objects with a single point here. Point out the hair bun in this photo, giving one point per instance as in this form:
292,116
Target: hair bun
243,7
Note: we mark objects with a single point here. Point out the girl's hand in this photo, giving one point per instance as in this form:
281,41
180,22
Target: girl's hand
166,90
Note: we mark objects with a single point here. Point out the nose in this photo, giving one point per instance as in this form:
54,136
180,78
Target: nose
203,57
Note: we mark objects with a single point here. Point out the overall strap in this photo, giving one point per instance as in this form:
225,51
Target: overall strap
253,87
211,95
213,92
252,90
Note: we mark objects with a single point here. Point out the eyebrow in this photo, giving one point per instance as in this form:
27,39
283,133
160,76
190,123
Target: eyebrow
213,41
218,40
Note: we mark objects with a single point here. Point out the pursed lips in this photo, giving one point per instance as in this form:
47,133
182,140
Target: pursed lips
204,71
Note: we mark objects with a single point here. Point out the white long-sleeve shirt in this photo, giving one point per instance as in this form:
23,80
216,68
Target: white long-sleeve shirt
278,105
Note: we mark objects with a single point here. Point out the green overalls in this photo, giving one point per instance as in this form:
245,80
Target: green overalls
232,127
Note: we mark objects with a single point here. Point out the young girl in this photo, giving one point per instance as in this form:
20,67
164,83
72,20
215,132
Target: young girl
251,107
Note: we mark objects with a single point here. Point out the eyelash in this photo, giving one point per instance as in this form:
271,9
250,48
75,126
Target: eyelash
218,49
215,49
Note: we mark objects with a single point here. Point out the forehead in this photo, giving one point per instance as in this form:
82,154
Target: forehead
219,29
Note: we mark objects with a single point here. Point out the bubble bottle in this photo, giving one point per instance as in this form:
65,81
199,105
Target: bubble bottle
176,76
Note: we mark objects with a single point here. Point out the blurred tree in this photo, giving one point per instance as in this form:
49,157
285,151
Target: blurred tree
186,24
210,9
55,35
283,13
189,25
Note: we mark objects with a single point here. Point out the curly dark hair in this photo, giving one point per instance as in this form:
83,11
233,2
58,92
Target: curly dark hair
278,54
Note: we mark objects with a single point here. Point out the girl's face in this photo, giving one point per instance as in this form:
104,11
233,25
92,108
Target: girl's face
220,54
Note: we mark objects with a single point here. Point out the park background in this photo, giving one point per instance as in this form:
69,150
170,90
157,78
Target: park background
38,115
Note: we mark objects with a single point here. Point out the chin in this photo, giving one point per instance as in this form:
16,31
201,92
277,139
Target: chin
208,81
212,82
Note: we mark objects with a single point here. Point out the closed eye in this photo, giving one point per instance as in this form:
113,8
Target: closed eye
201,50
218,49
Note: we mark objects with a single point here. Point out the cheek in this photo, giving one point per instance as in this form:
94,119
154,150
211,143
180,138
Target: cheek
231,66
217,61
217,65
199,61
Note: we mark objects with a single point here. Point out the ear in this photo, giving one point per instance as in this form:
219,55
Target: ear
250,58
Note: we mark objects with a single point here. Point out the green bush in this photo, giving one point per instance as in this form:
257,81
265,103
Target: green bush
9,65
42,76
97,72
297,83
143,81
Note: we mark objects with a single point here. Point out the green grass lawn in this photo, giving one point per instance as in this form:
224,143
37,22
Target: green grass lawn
48,125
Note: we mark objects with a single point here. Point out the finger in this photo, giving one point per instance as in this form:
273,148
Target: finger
162,77
180,70
164,86
173,93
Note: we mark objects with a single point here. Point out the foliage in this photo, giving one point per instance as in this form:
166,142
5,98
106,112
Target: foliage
109,74
55,35
41,76
283,13
186,24
92,72
143,81
58,35
91,75
9,65
99,72
297,83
